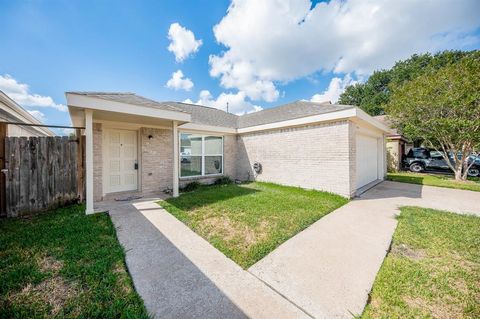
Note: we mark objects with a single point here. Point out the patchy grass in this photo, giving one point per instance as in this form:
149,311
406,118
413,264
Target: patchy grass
440,180
432,270
64,264
248,221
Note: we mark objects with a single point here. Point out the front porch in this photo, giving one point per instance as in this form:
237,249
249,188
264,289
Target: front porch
130,149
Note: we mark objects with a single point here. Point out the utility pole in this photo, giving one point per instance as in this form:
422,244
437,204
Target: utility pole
227,107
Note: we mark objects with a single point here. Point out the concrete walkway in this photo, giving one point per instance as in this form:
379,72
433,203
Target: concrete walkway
329,268
180,275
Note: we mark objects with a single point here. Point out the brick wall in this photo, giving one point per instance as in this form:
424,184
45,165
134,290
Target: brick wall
352,152
157,159
317,156
97,162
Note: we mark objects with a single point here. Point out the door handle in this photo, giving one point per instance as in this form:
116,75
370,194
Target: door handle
135,166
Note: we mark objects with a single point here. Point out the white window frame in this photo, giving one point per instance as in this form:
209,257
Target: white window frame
203,136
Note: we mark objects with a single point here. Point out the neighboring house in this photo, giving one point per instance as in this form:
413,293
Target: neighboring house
397,145
134,144
10,111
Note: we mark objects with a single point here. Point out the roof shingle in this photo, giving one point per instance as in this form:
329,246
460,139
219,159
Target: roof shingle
215,117
290,111
129,98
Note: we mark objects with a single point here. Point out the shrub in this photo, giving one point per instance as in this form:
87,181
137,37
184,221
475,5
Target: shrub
224,180
191,186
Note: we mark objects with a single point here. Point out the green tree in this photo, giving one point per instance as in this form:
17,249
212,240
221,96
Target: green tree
375,93
442,107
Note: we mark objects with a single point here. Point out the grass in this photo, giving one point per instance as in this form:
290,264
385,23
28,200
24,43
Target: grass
432,269
248,221
440,180
64,264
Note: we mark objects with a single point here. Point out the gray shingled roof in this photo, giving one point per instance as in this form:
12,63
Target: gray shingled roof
208,115
290,111
215,117
129,98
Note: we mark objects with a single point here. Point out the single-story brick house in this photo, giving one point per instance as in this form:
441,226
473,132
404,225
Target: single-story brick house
134,144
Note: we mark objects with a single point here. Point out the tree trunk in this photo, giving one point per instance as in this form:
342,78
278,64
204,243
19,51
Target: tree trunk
458,173
465,167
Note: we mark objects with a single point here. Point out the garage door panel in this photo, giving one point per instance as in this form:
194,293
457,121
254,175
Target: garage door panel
367,160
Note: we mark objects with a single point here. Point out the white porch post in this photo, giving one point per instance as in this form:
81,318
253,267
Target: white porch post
89,160
175,159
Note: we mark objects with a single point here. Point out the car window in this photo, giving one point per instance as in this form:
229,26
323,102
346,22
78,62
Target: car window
420,153
436,154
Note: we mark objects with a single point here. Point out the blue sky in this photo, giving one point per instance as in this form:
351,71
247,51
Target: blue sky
253,56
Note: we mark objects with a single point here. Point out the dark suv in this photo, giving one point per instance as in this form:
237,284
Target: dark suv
421,159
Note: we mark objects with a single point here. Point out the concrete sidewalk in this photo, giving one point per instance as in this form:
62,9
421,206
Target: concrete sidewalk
180,275
329,268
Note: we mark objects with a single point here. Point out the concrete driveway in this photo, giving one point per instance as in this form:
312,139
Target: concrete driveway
329,268
326,271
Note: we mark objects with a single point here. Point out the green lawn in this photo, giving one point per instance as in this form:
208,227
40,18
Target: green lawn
248,221
64,264
473,183
432,269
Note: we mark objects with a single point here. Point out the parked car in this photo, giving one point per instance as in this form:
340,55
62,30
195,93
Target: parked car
421,159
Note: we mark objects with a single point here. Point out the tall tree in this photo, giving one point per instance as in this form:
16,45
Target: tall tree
374,94
442,107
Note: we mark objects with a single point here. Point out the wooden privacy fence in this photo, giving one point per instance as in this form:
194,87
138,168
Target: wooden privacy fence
42,173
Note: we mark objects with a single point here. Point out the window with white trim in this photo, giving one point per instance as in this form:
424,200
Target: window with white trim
200,155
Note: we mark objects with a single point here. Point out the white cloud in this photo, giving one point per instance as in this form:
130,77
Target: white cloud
38,115
179,82
19,92
335,88
275,41
237,103
182,42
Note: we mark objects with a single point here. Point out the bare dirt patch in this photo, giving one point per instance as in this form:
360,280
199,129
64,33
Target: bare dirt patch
50,264
122,277
405,251
437,309
245,235
53,291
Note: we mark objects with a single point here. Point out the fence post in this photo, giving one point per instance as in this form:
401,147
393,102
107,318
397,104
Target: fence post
80,179
3,199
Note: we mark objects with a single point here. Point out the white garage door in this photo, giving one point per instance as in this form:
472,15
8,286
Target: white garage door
367,160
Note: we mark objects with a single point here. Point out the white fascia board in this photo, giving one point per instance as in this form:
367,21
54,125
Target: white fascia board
343,114
206,128
88,102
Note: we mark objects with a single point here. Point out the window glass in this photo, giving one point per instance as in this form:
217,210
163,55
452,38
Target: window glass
190,144
435,154
213,165
213,145
419,153
200,155
190,165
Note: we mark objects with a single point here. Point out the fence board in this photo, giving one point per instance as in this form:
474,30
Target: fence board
41,173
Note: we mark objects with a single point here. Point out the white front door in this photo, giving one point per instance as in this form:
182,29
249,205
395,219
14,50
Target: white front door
367,160
121,160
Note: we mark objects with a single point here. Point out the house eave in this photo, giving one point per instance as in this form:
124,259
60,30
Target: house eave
78,101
